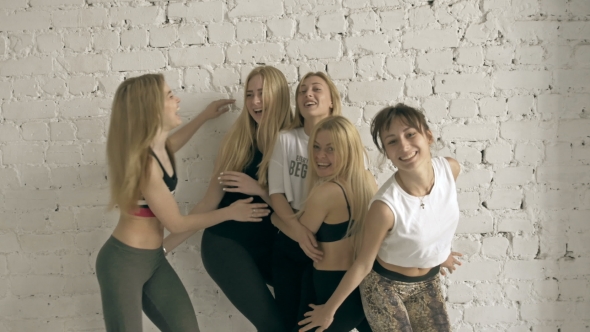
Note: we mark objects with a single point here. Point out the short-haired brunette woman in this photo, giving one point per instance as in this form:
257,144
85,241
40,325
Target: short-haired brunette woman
237,255
408,232
317,99
132,271
334,211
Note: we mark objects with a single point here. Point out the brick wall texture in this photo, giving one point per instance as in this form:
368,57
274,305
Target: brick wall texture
505,85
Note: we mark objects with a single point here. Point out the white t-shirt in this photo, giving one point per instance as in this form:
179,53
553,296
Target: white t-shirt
421,236
288,166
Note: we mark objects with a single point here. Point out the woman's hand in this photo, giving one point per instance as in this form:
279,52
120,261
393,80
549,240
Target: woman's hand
216,108
319,317
450,263
238,182
243,210
308,244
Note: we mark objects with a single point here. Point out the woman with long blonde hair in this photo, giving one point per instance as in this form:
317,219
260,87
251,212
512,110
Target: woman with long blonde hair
335,210
317,99
132,271
238,256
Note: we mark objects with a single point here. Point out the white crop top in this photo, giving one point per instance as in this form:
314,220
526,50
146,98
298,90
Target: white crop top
421,237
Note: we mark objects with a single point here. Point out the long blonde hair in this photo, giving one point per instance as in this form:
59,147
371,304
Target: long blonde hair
244,135
136,118
336,100
350,171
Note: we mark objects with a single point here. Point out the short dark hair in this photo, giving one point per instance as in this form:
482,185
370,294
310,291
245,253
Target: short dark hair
409,115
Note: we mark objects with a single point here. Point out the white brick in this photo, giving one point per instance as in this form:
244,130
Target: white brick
53,86
138,60
563,174
374,91
341,70
36,177
474,178
514,225
137,15
399,66
86,63
255,53
520,105
35,131
574,30
81,84
572,79
481,33
575,290
13,4
49,42
92,129
25,21
431,39
498,154
505,199
482,223
8,178
363,21
63,154
460,293
477,271
525,8
106,40
27,66
478,83
83,107
506,80
135,38
29,110
253,31
225,77
306,25
470,56
463,108
192,34
530,55
8,243
466,247
435,109
527,270
221,32
25,87
534,31
468,155
198,78
421,16
558,153
367,43
314,49
435,61
528,153
495,247
258,8
469,132
547,311
519,175
500,55
579,7
282,28
491,315
573,129
528,130
582,56
419,87
37,285
525,247
42,3
332,23
80,18
392,20
94,152
491,106
78,41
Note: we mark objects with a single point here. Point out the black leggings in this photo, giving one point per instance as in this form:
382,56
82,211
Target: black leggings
131,279
350,314
289,266
242,273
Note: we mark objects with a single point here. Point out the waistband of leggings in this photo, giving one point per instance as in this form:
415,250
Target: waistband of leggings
113,241
395,276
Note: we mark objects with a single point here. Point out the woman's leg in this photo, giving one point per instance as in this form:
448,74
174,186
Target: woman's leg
427,309
235,271
166,301
121,271
383,305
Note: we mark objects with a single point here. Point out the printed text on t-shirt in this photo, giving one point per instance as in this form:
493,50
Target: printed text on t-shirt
298,167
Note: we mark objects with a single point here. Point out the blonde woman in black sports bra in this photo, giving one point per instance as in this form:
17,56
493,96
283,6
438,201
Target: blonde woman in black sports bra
132,271
334,211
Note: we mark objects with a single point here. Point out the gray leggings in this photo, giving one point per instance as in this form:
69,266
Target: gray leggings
131,279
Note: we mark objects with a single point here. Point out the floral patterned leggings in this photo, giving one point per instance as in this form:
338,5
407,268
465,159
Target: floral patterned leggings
397,303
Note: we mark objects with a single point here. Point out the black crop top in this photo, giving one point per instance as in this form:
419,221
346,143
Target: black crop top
334,232
170,181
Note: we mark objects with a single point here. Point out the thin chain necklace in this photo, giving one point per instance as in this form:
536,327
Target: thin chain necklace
421,198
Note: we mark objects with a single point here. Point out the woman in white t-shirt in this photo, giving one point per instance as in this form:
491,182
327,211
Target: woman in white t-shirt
408,232
295,246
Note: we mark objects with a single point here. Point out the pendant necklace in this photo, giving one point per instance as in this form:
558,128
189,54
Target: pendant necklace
421,198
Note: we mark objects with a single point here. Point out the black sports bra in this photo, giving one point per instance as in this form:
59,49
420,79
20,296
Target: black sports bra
334,232
170,181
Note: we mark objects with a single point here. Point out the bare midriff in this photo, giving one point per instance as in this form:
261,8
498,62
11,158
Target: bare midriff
407,271
139,232
338,255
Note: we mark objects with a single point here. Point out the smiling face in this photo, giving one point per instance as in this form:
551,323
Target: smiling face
324,154
170,119
407,147
314,98
254,98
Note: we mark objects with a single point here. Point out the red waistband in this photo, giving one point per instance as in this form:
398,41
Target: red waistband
144,212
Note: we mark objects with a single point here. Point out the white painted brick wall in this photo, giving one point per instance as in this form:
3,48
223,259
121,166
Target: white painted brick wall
505,85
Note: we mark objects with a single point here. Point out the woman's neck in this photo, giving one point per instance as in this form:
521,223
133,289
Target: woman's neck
310,122
418,182
159,142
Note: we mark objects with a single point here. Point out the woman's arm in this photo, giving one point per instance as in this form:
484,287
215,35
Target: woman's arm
179,138
238,182
166,209
379,221
455,167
